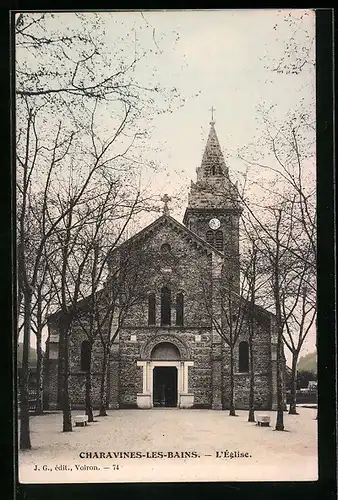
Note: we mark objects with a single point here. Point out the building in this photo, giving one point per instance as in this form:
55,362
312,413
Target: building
168,351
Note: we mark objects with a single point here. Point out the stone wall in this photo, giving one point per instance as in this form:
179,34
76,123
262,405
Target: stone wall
262,368
180,270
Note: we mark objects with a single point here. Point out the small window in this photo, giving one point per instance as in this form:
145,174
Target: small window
165,306
243,357
210,237
85,356
179,309
165,248
151,309
219,240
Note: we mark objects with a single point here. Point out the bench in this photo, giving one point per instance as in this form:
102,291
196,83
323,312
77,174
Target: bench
81,420
263,420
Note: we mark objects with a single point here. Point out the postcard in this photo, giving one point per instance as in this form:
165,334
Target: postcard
166,246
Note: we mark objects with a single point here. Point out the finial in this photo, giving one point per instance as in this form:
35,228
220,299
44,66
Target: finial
165,200
212,115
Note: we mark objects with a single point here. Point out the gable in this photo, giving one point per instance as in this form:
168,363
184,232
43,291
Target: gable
167,224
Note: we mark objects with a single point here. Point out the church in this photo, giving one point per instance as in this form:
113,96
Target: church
169,352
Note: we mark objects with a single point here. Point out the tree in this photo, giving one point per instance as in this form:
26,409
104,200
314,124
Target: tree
285,174
279,261
70,72
299,47
299,311
101,289
30,247
251,276
227,310
73,262
290,182
130,268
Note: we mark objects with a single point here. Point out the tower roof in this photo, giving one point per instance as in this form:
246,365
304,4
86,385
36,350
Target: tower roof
213,188
212,161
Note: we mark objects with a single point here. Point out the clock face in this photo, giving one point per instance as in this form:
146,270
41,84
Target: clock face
214,223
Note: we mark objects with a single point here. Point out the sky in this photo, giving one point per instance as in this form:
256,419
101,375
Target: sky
220,59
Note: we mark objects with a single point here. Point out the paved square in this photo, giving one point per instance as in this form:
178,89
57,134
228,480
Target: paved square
171,445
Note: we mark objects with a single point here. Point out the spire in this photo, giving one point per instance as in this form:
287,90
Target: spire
213,163
213,188
212,115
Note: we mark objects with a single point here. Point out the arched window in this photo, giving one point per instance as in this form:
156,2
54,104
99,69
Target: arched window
165,248
165,306
85,356
243,358
210,237
179,309
151,309
219,241
213,170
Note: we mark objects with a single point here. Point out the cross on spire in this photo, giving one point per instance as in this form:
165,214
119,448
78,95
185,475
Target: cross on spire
165,200
212,115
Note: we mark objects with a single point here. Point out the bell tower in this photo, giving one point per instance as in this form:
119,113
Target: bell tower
214,209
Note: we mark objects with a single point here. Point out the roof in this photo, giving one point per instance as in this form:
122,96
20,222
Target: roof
213,160
165,218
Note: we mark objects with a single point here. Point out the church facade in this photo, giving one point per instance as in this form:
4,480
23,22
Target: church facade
169,351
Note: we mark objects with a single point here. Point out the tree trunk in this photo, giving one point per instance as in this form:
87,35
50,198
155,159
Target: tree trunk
293,407
280,402
279,326
66,411
232,411
251,416
89,409
25,441
39,377
39,364
103,385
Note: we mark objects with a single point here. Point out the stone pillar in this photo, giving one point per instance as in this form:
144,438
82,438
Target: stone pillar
217,372
185,378
216,403
51,384
113,377
216,350
173,308
180,381
186,399
144,398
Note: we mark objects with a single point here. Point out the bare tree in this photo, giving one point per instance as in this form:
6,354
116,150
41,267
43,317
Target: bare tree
299,47
251,277
279,262
30,247
67,72
289,181
130,269
299,313
95,312
286,175
227,311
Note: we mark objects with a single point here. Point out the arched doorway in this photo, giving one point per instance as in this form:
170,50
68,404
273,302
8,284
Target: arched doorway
165,360
165,378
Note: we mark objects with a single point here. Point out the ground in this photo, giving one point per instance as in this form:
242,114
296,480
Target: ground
271,455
